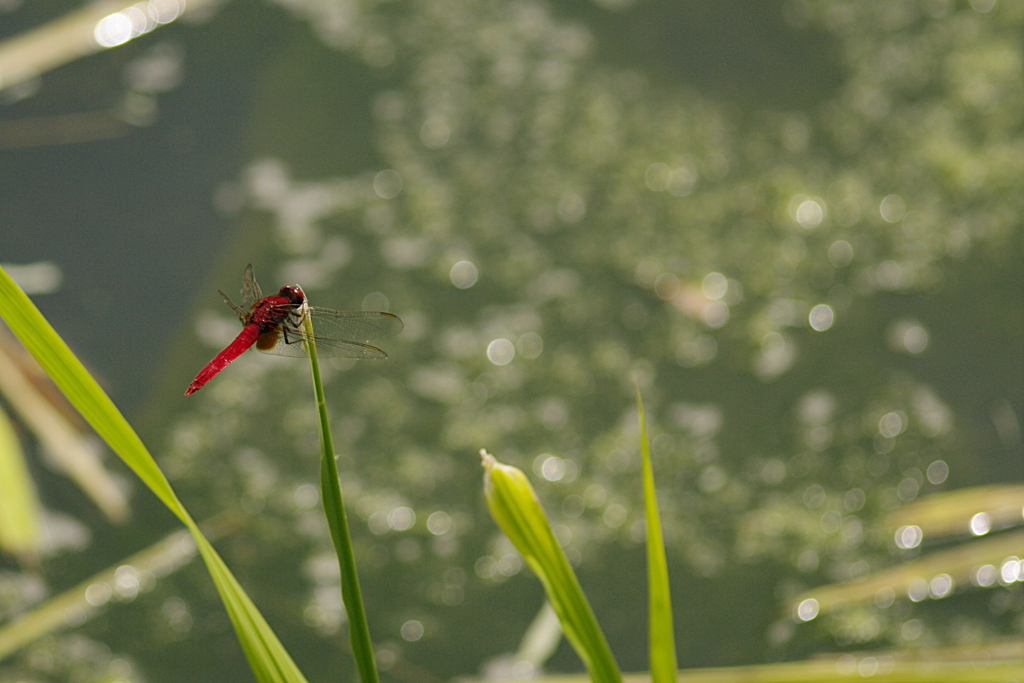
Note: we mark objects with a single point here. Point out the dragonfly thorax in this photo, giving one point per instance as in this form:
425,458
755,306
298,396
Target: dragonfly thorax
270,312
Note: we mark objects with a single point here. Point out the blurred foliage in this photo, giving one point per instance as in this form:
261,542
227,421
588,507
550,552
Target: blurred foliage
620,224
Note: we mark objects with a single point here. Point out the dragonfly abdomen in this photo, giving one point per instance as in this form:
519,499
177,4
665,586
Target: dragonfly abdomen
246,338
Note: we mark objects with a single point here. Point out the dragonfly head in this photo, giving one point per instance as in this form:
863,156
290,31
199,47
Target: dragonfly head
293,293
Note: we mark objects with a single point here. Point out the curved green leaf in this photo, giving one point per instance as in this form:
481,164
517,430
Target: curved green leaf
514,506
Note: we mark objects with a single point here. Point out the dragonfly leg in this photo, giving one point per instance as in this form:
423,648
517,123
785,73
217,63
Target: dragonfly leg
292,335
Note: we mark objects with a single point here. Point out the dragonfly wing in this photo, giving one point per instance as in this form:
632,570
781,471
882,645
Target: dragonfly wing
250,289
239,311
290,342
286,340
338,334
357,326
330,347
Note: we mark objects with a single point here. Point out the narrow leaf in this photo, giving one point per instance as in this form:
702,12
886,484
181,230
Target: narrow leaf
960,563
69,445
73,607
961,511
19,507
983,664
662,638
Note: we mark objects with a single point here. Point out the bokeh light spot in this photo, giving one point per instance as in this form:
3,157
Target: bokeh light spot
715,314
937,472
941,586
434,133
821,318
501,351
464,274
682,181
306,497
892,208
439,523
909,537
657,177
614,515
1009,571
401,518
892,424
666,285
809,214
714,286
984,576
375,301
98,594
840,253
412,630
917,590
980,524
885,597
530,345
387,184
807,610
911,630
908,336
113,30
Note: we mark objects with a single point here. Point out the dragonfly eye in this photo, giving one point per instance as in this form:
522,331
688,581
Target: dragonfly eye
292,293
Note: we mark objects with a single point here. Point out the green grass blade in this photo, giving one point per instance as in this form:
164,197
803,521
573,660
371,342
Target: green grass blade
949,513
959,563
334,509
515,507
71,606
267,657
662,637
19,508
70,447
918,666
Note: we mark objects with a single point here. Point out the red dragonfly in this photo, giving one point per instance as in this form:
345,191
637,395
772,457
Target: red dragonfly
275,325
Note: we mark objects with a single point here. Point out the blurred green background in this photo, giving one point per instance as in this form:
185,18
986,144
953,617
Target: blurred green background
798,224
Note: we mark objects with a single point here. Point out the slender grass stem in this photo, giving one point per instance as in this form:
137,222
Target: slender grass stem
334,509
661,633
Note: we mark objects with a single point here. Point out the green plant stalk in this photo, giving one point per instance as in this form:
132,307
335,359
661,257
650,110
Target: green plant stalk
334,509
270,662
19,505
825,670
662,639
514,505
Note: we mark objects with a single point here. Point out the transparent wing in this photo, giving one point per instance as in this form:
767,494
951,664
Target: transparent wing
239,311
338,348
358,326
250,290
250,295
338,334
